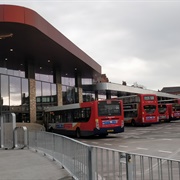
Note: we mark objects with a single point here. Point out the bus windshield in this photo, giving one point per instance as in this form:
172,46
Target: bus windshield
109,109
176,107
149,108
162,109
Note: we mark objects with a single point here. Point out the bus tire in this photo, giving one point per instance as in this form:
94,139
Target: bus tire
78,133
50,129
133,123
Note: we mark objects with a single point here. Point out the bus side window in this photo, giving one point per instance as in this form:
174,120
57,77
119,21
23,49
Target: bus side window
76,115
69,116
58,118
87,114
64,116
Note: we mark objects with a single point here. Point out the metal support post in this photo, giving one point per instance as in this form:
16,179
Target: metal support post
2,131
129,168
90,167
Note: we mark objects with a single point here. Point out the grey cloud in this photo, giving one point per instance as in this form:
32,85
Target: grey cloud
113,32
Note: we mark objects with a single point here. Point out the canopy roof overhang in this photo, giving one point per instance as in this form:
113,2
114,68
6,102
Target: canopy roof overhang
124,90
25,37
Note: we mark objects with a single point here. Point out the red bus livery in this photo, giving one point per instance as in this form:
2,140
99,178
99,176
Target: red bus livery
86,118
140,109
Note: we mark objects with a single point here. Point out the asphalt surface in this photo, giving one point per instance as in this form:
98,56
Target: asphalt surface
162,140
29,165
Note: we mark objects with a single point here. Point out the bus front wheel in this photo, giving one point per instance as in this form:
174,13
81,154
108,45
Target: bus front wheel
78,133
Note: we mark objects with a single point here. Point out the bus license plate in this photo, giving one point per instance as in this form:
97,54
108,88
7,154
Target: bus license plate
110,130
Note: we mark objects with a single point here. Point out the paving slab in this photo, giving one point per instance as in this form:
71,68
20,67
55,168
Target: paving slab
26,164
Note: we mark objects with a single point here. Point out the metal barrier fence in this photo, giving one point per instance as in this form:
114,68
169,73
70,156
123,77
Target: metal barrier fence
74,156
8,124
20,137
10,135
87,162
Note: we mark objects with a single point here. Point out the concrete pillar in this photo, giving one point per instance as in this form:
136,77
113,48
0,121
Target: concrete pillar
59,94
32,100
80,94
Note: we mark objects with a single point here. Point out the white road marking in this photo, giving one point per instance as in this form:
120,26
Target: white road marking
123,146
142,148
167,139
95,142
165,151
108,144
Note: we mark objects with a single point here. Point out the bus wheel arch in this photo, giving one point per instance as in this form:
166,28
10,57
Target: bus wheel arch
78,132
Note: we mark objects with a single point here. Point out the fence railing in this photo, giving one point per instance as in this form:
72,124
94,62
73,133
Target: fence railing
7,124
12,136
87,162
20,137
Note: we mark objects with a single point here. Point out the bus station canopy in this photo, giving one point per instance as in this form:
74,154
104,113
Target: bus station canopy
26,37
124,90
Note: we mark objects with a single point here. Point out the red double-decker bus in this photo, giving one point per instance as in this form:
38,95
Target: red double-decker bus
140,109
86,118
169,110
174,111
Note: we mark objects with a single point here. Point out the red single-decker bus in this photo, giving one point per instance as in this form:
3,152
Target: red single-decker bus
86,118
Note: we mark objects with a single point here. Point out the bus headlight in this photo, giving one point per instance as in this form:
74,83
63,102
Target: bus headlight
122,124
97,123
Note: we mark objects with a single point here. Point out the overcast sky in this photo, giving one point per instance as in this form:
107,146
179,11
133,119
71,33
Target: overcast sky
133,41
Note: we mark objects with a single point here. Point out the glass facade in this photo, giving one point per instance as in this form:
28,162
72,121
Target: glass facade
86,81
4,93
68,81
68,90
15,96
15,93
69,95
46,96
44,77
11,72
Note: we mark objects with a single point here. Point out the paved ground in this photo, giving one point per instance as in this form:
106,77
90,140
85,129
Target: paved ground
29,165
162,140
